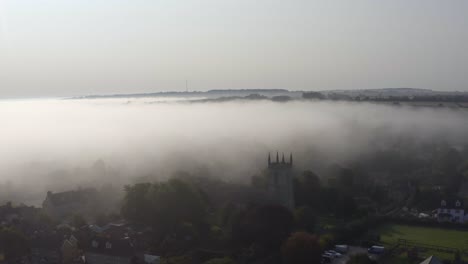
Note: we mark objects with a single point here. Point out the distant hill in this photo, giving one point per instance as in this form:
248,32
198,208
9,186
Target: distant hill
393,92
207,94
215,94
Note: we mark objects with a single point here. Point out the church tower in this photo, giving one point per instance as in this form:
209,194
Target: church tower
280,180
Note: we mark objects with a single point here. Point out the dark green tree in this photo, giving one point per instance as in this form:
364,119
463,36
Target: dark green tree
301,248
136,206
13,243
305,218
307,189
165,206
267,225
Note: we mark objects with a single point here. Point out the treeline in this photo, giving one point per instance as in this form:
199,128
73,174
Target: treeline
460,98
184,223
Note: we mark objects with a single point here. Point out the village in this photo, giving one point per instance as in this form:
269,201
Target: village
193,219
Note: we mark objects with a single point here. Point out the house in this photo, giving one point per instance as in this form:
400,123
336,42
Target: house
431,260
70,252
64,204
106,250
452,210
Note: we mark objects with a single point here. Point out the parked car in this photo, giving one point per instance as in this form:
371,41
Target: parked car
334,253
326,259
376,250
343,249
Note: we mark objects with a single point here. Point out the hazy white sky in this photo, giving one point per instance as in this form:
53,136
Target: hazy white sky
71,47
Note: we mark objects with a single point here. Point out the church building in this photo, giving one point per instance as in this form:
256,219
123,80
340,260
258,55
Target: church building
280,180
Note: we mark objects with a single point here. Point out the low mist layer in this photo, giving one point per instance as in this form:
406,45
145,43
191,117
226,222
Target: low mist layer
61,144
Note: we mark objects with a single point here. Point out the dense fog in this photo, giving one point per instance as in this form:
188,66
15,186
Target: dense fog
54,144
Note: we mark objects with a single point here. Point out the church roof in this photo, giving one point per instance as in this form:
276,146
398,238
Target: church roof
431,260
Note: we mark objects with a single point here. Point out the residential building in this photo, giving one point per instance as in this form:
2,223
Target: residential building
103,250
452,210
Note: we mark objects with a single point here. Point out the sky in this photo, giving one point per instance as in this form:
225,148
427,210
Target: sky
67,47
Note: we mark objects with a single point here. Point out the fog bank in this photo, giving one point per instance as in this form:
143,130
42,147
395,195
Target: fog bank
54,144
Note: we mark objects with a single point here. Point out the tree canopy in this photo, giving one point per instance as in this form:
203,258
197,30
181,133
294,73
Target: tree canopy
301,248
164,205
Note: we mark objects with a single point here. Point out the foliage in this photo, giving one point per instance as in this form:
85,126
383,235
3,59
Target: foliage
327,241
164,205
307,188
301,248
355,228
267,225
136,204
345,206
336,199
305,218
13,243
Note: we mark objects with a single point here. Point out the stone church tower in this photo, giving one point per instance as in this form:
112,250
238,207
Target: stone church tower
280,180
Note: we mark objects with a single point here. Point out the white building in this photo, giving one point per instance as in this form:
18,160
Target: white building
452,210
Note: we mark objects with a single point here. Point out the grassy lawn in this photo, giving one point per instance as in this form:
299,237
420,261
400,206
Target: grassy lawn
389,235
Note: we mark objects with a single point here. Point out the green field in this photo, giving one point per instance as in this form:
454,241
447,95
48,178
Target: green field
389,235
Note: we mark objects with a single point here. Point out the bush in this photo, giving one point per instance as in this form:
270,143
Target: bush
327,241
301,248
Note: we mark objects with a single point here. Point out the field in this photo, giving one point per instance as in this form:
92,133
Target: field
389,235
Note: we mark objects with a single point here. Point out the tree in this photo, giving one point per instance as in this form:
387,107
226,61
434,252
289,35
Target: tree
13,243
313,95
267,225
136,204
307,189
326,240
301,248
305,218
345,207
165,205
